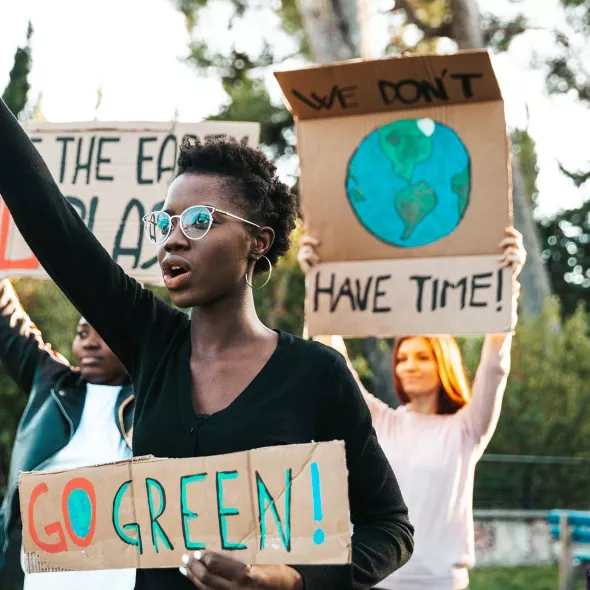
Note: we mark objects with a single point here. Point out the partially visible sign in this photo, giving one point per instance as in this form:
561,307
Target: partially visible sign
113,174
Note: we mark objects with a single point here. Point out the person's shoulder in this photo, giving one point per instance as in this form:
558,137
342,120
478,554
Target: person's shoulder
55,373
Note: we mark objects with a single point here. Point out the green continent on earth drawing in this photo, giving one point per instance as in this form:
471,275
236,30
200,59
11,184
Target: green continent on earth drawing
409,182
461,188
413,204
405,145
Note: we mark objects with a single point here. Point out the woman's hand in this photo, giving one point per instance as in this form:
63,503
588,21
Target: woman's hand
307,255
514,256
213,571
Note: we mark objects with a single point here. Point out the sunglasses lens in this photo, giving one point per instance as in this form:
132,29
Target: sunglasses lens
196,222
157,226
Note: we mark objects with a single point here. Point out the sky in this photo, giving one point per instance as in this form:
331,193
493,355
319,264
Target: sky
134,51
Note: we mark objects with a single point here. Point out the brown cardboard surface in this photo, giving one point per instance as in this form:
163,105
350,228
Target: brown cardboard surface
325,149
422,178
459,295
177,505
361,87
113,174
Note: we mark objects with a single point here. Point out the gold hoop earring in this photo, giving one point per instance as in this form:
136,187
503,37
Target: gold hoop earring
267,278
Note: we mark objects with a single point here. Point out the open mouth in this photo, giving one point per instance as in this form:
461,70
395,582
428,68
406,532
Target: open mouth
175,272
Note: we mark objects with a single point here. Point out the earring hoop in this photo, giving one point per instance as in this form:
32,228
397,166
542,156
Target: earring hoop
267,278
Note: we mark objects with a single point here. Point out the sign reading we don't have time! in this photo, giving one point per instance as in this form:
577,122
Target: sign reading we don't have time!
417,198
113,174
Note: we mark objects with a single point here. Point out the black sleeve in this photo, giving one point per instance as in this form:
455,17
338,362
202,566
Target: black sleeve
116,305
382,539
22,349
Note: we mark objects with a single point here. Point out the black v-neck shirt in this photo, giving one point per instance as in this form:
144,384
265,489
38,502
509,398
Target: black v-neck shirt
305,391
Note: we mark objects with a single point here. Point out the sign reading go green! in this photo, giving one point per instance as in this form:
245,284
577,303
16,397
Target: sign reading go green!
286,504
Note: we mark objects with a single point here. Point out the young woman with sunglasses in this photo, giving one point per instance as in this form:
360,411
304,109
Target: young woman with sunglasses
437,435
219,381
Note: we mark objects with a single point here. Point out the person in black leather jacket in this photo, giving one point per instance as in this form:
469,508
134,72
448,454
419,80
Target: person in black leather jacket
57,395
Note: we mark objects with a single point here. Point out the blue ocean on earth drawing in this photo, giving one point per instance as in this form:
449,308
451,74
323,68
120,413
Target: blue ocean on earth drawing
409,182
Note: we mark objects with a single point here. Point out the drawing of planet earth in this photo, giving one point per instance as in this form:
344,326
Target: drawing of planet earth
409,182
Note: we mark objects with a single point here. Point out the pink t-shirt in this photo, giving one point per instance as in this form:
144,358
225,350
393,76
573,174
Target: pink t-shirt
434,458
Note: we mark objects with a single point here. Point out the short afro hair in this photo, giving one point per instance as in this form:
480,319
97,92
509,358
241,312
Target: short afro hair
253,183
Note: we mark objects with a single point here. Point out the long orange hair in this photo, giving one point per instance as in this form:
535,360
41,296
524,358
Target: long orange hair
455,391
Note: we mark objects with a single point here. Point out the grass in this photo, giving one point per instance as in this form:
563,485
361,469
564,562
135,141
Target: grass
518,578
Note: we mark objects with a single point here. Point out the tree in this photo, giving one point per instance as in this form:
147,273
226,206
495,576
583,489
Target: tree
566,240
16,92
568,69
565,236
332,29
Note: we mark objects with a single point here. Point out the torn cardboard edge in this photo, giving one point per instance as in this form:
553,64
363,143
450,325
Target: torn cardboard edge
243,128
94,465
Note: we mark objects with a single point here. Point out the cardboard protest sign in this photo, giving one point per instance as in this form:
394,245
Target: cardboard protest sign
404,173
113,174
285,504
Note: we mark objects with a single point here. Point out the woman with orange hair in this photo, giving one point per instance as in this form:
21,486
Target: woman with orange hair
435,438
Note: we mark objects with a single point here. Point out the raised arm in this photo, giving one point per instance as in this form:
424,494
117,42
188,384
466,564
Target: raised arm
379,410
22,349
480,417
382,539
113,303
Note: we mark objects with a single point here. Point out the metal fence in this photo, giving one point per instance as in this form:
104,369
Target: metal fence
521,482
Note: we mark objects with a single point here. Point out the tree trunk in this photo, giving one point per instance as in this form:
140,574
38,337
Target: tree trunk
332,28
534,278
467,33
466,28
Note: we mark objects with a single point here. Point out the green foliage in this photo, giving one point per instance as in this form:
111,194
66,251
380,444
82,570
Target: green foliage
565,242
249,99
499,34
523,145
242,74
16,93
518,578
547,400
568,71
545,412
